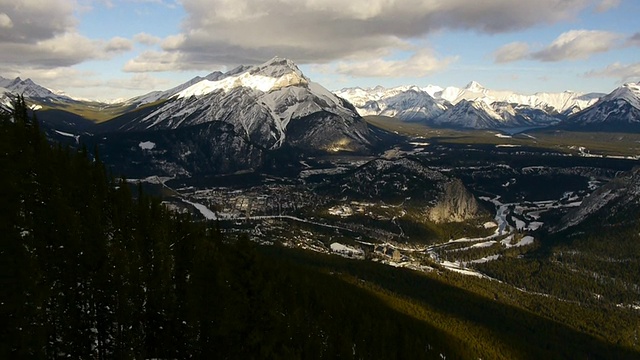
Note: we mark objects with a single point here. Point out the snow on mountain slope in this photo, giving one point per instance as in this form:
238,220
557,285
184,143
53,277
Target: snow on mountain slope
518,115
29,89
261,103
408,103
530,110
549,102
264,78
163,95
629,92
471,115
617,109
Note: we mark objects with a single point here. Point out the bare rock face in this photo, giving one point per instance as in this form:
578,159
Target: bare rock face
456,204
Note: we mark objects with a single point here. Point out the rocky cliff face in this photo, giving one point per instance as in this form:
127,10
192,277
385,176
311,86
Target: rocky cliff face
456,204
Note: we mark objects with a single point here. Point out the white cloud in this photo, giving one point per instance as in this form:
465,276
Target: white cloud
511,52
578,44
231,32
150,61
118,44
571,45
419,64
143,82
621,72
5,21
146,39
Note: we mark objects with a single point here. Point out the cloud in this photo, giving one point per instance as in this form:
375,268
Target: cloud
571,45
577,45
150,61
511,52
144,82
43,34
606,5
63,50
623,73
118,44
420,64
633,40
33,21
5,21
146,39
231,32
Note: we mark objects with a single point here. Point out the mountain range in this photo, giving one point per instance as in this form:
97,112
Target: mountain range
279,81
474,106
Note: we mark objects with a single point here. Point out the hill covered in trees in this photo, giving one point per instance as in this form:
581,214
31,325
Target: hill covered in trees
90,271
91,268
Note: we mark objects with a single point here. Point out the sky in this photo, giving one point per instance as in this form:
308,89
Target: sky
117,49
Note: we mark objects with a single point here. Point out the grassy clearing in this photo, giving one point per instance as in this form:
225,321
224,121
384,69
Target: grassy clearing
595,143
95,111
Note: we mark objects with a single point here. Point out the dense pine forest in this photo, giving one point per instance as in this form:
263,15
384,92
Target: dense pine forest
93,268
90,271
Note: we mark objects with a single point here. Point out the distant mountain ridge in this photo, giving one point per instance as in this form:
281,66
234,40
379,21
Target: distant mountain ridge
28,89
473,106
470,107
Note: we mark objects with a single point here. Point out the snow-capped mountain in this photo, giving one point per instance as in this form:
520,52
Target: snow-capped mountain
406,103
264,116
618,110
549,102
164,95
520,115
28,89
471,115
437,105
269,105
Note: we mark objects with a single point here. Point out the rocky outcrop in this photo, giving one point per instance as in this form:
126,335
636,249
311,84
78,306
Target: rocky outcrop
456,204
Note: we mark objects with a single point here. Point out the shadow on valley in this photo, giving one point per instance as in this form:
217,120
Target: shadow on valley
493,328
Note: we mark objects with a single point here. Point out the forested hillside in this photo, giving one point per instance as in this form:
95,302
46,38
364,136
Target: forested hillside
91,268
90,271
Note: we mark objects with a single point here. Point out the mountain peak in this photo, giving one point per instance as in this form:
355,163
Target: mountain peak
276,67
474,86
274,74
629,92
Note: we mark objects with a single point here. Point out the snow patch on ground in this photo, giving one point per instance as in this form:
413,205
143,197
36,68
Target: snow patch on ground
507,146
485,259
205,211
147,145
483,244
527,240
347,251
489,225
77,137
